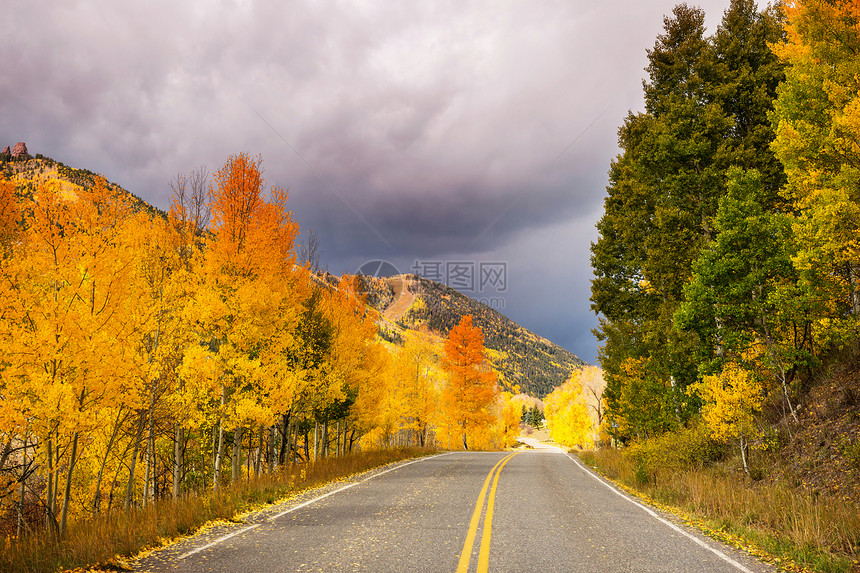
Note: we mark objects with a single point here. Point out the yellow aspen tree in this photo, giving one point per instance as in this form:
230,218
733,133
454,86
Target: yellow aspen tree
731,401
13,421
816,118
246,268
77,292
507,425
380,406
10,216
357,362
417,361
567,416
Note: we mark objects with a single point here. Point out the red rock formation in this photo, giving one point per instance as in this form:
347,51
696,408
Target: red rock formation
20,149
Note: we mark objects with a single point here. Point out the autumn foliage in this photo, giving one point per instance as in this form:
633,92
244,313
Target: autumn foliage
567,414
727,265
149,357
471,386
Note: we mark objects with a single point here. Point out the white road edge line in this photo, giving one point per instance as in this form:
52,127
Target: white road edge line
217,541
653,514
301,505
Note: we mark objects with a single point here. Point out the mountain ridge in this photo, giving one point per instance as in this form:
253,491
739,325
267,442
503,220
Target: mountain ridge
524,360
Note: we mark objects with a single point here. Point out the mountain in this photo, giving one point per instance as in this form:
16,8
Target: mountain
521,357
27,172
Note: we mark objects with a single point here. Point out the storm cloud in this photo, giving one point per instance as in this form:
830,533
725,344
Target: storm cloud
409,132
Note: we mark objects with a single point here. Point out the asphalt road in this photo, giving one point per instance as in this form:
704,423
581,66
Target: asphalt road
549,513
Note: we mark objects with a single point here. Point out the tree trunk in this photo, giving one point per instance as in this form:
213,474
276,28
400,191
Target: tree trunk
150,443
23,493
4,453
272,452
178,447
248,457
854,272
316,439
219,454
97,498
67,493
50,494
778,366
677,406
284,430
114,481
237,455
129,492
744,455
261,448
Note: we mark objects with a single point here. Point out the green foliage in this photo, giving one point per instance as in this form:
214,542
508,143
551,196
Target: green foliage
534,417
850,448
706,106
742,292
692,447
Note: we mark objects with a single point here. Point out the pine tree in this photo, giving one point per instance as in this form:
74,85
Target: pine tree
706,102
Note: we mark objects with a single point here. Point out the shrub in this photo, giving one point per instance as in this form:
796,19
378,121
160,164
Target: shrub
688,448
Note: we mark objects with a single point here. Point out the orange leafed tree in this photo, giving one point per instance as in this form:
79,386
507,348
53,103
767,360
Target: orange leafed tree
251,297
471,387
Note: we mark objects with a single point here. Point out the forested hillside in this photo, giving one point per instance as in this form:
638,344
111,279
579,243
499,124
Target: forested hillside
29,172
727,279
533,363
726,269
525,361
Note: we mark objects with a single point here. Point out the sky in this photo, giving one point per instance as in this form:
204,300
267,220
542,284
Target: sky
466,141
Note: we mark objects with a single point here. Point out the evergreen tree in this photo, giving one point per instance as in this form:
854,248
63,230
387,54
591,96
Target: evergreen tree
706,106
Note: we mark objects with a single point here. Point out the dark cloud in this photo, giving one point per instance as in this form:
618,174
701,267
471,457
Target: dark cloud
402,130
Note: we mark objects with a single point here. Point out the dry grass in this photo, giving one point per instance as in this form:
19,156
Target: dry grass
105,540
797,529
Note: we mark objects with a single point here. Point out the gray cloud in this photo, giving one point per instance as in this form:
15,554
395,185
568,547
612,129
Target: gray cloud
442,124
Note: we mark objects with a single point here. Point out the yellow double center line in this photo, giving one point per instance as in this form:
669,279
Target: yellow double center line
484,554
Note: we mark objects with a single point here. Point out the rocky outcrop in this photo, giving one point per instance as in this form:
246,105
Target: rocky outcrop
20,150
6,151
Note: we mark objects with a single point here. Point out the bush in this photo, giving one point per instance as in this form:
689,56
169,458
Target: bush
689,448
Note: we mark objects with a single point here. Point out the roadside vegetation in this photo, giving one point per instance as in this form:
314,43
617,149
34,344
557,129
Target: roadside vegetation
107,541
149,359
688,474
727,280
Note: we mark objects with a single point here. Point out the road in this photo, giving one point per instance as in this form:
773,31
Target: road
547,512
